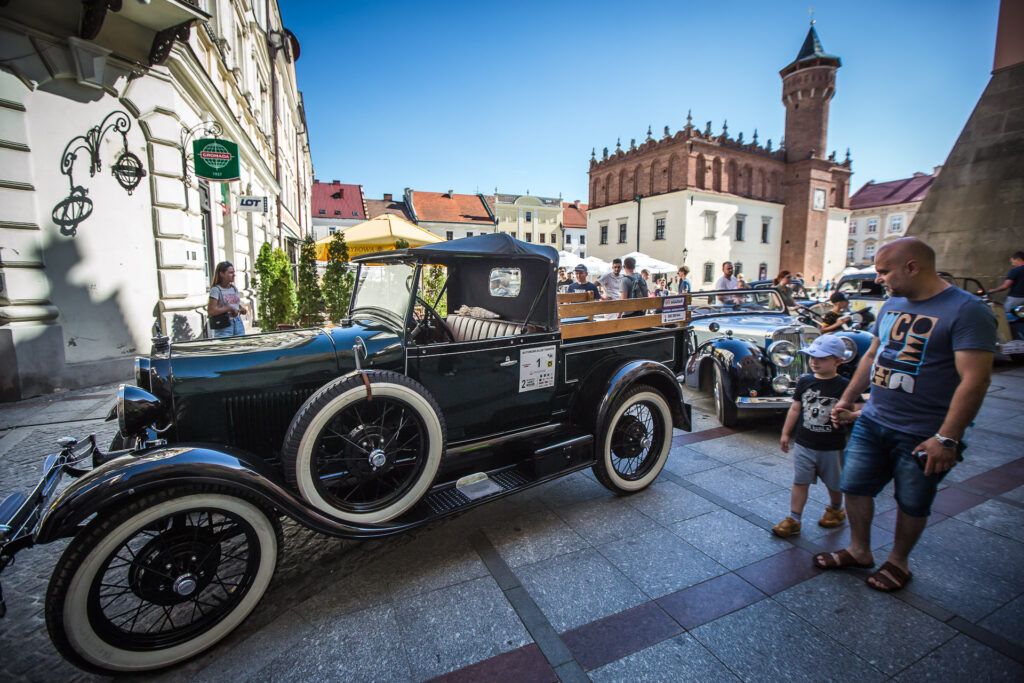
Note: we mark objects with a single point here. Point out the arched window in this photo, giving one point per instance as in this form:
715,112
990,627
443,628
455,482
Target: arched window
701,171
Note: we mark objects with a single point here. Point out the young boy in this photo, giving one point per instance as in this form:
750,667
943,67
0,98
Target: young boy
819,444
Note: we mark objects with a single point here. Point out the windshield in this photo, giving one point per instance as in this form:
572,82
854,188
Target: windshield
384,286
735,300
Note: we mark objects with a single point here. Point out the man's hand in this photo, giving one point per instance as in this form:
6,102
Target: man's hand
939,459
784,443
841,412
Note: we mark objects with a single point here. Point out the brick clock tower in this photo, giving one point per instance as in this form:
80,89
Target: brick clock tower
814,183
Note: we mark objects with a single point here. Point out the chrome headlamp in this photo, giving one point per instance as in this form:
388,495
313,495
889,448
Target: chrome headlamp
782,383
851,349
142,378
783,353
136,410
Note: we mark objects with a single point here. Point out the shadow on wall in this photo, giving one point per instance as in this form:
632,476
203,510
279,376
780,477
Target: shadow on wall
181,328
96,335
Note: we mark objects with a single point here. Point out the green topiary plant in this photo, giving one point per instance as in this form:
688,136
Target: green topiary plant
434,278
339,279
281,304
262,281
310,298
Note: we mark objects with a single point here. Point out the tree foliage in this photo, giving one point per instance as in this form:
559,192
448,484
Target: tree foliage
310,298
338,279
264,278
401,243
434,278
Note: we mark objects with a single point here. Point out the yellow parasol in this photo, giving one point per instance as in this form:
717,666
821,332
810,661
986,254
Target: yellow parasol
378,234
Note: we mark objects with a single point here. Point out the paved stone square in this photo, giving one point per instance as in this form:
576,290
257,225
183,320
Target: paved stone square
568,582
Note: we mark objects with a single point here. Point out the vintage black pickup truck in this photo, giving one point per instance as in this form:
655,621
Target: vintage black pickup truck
397,417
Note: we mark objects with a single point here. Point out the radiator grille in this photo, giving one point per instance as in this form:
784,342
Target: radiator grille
799,339
258,422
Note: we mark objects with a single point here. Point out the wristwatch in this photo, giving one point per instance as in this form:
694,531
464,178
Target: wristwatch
946,442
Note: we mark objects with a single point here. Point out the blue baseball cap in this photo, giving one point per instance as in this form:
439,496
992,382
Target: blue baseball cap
826,345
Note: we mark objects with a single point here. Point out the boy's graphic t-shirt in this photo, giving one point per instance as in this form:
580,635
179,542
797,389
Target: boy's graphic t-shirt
817,398
914,374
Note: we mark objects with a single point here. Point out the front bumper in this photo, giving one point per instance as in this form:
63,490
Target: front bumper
765,402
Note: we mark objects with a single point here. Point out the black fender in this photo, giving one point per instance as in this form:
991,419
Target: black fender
600,390
742,365
124,478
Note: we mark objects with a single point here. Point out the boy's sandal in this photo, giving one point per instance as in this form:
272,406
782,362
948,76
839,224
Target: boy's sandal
839,560
890,578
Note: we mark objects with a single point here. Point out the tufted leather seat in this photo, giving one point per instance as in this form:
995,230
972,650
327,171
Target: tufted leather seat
464,328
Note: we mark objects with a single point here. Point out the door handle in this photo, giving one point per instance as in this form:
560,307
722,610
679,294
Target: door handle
508,362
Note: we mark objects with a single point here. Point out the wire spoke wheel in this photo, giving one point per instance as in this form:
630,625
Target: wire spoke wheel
635,442
161,579
369,455
365,449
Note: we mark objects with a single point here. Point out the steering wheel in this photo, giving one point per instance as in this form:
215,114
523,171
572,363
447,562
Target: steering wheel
806,314
429,314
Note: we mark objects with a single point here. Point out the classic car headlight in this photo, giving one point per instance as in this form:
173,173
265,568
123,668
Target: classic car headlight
782,383
136,409
783,353
851,349
1019,311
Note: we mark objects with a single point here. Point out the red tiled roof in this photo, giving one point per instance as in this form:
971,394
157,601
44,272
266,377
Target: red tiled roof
379,207
338,200
574,215
911,189
449,208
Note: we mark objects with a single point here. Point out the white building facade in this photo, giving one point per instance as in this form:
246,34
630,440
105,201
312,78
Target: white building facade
103,228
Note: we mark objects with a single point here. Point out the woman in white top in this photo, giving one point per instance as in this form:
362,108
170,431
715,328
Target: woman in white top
225,305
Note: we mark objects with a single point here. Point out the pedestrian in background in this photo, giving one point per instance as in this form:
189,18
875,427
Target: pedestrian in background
928,368
684,280
225,306
562,285
818,446
612,282
1015,283
581,284
634,286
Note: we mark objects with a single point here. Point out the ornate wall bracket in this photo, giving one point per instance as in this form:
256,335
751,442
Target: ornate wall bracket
128,170
164,41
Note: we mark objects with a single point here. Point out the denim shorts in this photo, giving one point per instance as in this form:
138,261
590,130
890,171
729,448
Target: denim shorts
877,454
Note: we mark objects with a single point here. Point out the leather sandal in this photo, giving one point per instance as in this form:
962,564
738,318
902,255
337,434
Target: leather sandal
839,560
891,578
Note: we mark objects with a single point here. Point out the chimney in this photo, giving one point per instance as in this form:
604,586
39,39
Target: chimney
936,170
451,193
387,196
335,182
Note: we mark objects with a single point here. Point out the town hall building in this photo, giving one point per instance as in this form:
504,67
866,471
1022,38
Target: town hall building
702,199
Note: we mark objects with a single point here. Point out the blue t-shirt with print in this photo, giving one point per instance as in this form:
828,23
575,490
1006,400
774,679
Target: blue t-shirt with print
914,374
585,287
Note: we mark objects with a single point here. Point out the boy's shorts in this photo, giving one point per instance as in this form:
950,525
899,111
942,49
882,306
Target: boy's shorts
809,465
877,455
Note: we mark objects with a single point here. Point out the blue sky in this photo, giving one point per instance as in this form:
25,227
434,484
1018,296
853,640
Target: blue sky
473,95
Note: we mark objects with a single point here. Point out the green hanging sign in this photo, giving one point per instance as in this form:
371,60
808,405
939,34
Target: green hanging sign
215,159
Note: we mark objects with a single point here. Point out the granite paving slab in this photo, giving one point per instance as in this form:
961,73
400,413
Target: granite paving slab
433,559
570,490
887,633
666,502
680,658
779,572
1016,494
969,571
605,640
338,650
963,659
777,469
453,627
683,460
660,562
533,537
774,507
697,605
238,659
525,664
997,517
767,642
605,520
1007,621
728,539
735,447
732,484
578,588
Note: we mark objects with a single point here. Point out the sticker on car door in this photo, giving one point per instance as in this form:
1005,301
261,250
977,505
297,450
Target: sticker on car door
536,368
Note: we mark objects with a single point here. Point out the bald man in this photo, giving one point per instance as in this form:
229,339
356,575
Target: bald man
928,367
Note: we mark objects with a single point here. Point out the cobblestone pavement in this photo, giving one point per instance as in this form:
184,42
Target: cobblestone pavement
565,581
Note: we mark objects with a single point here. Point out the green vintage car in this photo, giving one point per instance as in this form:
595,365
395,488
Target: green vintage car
397,417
